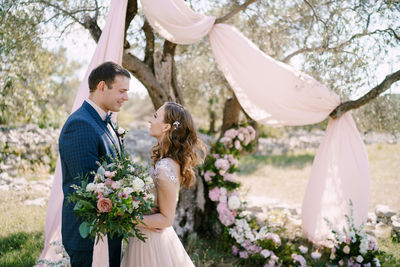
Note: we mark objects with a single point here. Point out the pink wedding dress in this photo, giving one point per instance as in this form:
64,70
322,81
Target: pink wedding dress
161,249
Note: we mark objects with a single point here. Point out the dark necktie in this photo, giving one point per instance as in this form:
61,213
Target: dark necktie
107,121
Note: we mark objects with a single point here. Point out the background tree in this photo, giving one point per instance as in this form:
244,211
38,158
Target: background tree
31,76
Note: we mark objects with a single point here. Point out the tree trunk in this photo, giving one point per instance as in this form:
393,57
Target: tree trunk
232,110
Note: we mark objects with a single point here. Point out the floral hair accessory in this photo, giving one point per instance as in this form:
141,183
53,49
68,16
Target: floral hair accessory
176,125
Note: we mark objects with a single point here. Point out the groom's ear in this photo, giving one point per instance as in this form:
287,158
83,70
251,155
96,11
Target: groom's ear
101,86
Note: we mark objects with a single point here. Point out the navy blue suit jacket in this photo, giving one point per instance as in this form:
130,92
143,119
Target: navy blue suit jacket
84,139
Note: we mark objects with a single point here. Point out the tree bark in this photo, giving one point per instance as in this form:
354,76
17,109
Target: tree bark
231,114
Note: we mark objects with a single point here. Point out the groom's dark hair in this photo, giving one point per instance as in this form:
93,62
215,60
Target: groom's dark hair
106,72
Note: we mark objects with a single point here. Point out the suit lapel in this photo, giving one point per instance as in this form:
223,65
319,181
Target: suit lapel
100,122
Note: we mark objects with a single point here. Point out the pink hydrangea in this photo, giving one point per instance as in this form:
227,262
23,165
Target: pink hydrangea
265,253
208,175
214,194
231,133
222,164
226,141
232,160
237,145
223,191
229,177
300,259
252,132
224,214
243,254
235,250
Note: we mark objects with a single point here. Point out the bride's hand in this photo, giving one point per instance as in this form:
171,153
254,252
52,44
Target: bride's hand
157,230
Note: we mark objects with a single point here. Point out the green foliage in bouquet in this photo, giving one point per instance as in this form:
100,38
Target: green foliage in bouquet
115,202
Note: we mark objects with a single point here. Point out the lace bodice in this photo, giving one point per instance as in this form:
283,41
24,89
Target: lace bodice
164,168
165,165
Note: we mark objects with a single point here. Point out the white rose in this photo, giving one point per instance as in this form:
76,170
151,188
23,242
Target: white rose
234,203
121,131
265,253
90,187
137,185
346,249
359,259
315,255
303,249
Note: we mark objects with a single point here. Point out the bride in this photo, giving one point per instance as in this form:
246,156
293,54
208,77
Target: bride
174,157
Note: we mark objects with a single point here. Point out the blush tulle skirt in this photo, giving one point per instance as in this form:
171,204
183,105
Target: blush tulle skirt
163,249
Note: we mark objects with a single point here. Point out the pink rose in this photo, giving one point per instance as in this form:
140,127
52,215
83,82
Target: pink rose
109,174
108,181
104,205
214,194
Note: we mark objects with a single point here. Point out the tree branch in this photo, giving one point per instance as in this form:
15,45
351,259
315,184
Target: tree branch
372,94
145,75
62,10
235,11
169,48
149,49
131,12
325,48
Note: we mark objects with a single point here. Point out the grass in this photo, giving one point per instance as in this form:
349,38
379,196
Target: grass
283,177
21,229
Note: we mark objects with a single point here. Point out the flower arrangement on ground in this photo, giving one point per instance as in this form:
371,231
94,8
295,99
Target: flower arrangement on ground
353,246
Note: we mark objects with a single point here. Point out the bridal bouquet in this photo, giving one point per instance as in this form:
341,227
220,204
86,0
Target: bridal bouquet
116,200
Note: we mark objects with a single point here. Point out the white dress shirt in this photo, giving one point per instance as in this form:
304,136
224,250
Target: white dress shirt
103,115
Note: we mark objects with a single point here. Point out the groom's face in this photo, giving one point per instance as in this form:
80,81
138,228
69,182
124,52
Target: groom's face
115,95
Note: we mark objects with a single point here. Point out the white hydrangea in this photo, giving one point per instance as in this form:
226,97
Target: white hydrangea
135,204
234,203
128,190
148,180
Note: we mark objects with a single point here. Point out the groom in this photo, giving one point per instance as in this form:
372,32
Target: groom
86,137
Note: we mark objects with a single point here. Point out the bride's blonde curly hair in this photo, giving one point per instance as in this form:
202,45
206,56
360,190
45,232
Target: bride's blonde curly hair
180,142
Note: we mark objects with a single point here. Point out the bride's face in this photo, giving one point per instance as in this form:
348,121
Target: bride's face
157,125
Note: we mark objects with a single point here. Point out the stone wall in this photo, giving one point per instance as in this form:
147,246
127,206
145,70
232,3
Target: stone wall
27,147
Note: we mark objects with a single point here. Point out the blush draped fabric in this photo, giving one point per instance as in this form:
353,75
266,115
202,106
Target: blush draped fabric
109,48
274,93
